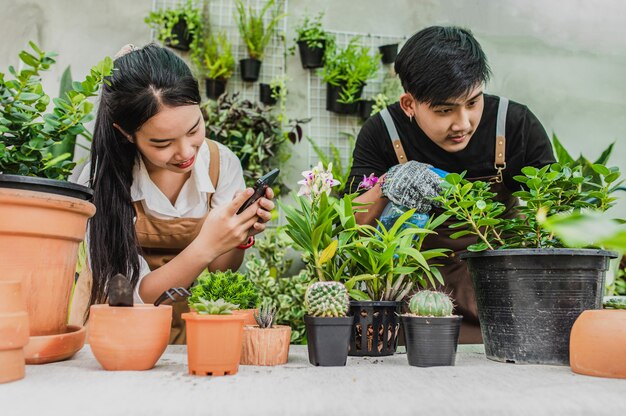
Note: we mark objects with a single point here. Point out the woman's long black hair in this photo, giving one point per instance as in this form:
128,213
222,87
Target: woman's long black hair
143,81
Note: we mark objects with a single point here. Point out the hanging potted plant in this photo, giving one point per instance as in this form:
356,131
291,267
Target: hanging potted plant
530,286
265,343
346,72
214,58
256,34
179,27
388,53
43,217
312,39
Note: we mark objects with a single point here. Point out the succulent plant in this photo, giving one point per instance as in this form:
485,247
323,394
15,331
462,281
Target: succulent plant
615,303
213,307
327,299
230,286
265,317
431,303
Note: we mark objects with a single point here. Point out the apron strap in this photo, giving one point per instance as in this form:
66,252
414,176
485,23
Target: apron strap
500,155
214,166
393,136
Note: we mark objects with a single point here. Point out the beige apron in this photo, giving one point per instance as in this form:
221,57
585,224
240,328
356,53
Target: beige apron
456,276
160,241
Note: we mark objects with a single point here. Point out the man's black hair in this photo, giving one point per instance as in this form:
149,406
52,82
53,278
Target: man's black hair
441,63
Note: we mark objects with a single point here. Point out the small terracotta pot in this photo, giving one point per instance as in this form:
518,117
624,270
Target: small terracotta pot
129,338
248,314
598,343
13,330
213,343
265,346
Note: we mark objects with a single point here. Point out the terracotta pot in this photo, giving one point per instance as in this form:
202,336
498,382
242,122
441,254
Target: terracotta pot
213,343
58,347
598,343
129,338
13,331
265,346
248,314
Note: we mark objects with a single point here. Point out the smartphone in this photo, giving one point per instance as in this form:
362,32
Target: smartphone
259,188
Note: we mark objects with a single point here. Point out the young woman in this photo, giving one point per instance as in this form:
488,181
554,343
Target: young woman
166,198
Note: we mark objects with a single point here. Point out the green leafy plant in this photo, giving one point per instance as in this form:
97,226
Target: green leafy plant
230,286
390,91
327,299
29,134
615,304
431,303
310,30
272,248
265,317
165,20
334,159
253,29
212,307
214,57
349,68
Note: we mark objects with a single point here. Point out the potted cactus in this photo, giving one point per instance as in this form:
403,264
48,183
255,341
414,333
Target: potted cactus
214,337
265,343
431,330
327,326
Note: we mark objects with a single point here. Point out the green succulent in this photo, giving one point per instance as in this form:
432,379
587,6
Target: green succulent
327,299
615,303
266,315
230,286
431,303
213,307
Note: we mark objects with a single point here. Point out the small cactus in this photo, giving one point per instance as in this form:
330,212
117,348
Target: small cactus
213,307
327,299
431,303
266,315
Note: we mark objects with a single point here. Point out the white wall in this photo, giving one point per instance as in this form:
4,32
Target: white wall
565,60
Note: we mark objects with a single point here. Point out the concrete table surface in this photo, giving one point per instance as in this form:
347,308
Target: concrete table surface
366,386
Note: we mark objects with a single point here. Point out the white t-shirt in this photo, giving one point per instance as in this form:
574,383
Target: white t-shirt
193,197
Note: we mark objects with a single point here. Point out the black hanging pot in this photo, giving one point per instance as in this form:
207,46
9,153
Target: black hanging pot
250,69
431,341
333,95
265,94
388,53
311,57
215,88
50,186
375,329
365,108
528,299
181,35
328,340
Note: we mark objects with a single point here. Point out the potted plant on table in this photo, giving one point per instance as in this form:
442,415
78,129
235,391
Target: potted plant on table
43,217
312,39
214,58
265,343
178,27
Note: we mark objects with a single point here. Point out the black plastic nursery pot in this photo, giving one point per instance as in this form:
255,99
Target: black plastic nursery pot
265,94
375,329
365,109
431,341
51,186
181,34
388,53
215,88
332,103
328,340
250,69
528,299
311,57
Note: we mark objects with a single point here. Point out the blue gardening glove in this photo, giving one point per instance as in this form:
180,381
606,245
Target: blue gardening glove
413,185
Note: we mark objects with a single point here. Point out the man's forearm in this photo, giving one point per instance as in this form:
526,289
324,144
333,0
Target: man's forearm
376,203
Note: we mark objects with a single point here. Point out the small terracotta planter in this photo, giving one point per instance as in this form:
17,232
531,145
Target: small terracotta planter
129,338
598,343
248,314
265,346
213,343
13,331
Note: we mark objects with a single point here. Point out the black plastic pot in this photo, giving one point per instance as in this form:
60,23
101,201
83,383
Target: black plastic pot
181,34
250,69
388,53
365,108
375,329
328,340
431,341
311,57
528,299
51,186
215,88
265,94
332,95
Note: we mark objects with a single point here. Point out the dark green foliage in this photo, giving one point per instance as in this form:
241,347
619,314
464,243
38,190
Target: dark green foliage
312,32
164,20
230,286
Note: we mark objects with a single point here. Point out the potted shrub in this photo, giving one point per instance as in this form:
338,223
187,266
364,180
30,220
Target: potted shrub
346,72
214,59
431,330
179,27
265,343
312,39
13,331
530,286
214,337
230,286
256,34
43,218
327,326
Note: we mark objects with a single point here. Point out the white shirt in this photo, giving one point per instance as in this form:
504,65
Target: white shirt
193,197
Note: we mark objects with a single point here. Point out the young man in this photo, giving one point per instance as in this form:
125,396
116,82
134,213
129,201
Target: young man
445,120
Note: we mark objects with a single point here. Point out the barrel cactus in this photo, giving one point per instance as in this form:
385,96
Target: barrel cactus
327,299
431,303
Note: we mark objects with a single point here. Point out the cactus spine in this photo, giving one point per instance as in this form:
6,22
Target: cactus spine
431,303
327,299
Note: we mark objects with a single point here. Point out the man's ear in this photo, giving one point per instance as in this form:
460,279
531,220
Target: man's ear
121,130
406,103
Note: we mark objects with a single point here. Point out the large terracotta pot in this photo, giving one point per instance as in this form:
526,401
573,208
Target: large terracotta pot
129,338
598,344
13,331
265,346
248,314
213,343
